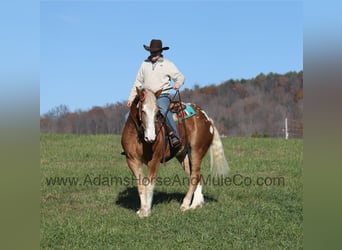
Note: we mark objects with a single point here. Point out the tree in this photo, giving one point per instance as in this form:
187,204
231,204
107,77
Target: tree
247,107
57,111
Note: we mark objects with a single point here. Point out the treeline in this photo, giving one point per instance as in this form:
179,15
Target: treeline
245,107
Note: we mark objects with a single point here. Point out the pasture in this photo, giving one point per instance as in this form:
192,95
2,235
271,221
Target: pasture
89,198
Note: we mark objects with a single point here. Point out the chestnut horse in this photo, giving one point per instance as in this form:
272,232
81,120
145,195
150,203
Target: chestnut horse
144,142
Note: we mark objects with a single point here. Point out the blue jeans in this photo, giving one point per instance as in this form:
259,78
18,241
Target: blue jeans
163,104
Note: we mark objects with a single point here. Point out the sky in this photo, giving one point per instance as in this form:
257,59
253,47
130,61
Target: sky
90,51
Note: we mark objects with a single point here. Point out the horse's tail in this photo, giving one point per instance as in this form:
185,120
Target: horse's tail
218,162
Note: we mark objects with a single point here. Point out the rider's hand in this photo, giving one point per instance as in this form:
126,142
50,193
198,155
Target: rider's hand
129,104
176,85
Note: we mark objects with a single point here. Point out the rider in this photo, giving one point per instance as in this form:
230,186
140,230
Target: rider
156,73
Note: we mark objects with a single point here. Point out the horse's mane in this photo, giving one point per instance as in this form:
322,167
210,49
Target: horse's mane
135,102
138,98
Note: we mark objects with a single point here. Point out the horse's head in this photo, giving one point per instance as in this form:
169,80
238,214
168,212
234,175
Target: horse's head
148,110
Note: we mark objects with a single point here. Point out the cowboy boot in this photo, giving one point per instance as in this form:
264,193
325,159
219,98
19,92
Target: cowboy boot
174,140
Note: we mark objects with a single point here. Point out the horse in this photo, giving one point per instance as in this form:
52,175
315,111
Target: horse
144,142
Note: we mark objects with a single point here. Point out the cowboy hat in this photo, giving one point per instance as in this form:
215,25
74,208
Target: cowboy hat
155,46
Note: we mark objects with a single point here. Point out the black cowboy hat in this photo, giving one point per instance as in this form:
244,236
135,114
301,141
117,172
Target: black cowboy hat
155,46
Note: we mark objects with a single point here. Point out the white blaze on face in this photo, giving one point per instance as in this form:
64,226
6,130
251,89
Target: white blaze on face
149,110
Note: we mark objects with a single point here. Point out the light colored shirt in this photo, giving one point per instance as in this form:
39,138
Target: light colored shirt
156,76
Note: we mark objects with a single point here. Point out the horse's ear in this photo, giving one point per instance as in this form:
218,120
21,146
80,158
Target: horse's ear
157,93
138,91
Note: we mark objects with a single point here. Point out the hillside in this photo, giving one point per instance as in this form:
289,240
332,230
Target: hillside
245,107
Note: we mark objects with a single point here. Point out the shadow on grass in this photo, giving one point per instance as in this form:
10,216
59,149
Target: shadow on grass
129,198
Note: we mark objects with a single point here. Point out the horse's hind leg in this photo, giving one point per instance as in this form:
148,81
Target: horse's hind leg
195,187
186,166
185,163
198,199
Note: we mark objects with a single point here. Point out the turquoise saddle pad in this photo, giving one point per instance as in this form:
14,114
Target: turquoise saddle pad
185,113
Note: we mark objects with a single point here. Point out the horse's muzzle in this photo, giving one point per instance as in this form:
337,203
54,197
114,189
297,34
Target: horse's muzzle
149,140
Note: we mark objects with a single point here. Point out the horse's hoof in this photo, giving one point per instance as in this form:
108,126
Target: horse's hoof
196,206
143,213
197,203
184,208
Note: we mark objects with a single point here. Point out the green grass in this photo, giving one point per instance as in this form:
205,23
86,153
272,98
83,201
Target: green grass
240,215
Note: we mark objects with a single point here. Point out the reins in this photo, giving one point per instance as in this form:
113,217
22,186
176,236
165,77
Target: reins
188,148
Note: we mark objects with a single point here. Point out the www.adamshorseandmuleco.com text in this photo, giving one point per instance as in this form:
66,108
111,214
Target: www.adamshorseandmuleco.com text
105,180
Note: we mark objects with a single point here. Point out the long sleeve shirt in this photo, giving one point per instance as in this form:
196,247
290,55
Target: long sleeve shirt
156,76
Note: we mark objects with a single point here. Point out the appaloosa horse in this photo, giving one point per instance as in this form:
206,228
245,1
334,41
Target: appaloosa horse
144,142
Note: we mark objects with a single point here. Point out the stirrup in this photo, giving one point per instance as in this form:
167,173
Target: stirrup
174,140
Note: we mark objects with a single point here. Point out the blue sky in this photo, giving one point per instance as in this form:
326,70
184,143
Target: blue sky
90,51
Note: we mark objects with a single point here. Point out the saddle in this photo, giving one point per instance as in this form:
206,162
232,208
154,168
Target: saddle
181,111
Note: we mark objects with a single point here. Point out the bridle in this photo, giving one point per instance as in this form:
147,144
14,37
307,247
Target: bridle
138,121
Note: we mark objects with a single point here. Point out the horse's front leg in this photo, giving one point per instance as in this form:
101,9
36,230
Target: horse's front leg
136,168
152,171
144,211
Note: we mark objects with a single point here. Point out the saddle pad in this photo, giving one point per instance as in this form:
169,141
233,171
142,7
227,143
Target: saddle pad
185,113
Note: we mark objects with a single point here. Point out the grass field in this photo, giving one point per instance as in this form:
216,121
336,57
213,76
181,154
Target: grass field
89,200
